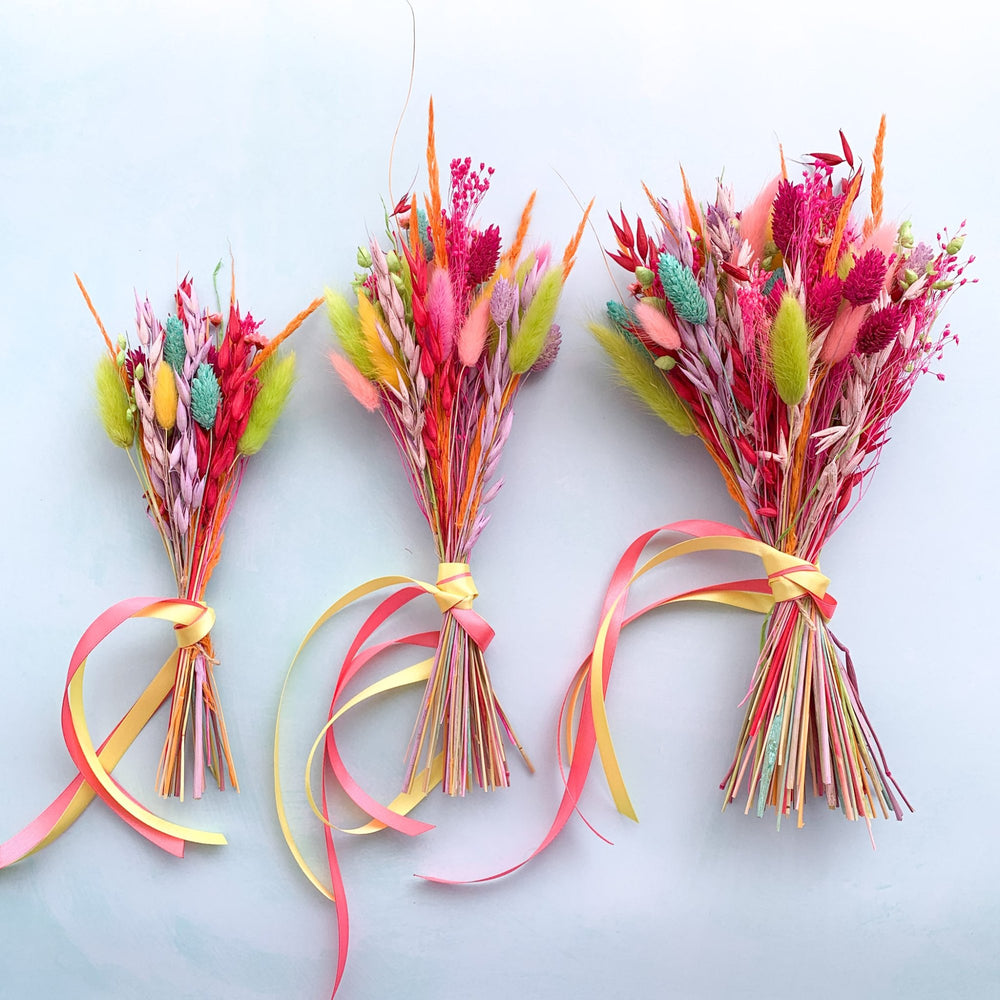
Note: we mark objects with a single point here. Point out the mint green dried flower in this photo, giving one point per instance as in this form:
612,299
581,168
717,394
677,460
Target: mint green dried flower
174,350
682,290
204,396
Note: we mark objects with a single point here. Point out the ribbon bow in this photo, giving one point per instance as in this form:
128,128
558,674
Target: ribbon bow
192,633
454,592
192,622
788,578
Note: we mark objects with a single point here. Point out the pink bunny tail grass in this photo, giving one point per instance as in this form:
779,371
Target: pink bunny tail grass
472,338
884,238
441,309
755,217
358,386
843,334
658,327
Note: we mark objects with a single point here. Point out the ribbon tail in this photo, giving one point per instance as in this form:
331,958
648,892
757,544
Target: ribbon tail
590,685
478,628
339,898
77,735
70,804
353,661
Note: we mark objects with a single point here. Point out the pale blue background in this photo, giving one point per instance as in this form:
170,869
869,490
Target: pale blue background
139,141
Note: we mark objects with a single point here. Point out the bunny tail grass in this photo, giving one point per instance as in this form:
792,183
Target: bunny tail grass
527,345
637,371
790,350
276,376
113,403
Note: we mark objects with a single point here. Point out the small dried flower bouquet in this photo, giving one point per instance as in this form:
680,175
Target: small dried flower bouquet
189,403
448,325
785,336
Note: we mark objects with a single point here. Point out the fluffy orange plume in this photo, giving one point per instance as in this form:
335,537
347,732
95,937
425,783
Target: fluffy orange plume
878,173
510,257
833,250
416,243
694,213
274,342
569,256
433,182
654,201
93,312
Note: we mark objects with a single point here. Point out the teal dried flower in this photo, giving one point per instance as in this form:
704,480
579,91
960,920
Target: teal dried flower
621,316
204,396
174,350
625,322
682,290
423,227
776,275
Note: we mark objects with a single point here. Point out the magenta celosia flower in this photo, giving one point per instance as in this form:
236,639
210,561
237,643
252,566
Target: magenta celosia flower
786,216
823,300
878,330
866,278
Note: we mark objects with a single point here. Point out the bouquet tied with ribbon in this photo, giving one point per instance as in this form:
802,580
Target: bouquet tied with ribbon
447,325
785,336
189,402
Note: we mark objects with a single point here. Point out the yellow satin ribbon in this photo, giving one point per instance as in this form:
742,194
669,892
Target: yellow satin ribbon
787,580
405,801
114,749
454,588
191,625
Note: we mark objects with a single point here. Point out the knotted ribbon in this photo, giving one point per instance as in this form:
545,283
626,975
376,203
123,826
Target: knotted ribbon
454,593
789,578
192,621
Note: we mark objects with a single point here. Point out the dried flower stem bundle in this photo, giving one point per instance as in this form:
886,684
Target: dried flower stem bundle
446,327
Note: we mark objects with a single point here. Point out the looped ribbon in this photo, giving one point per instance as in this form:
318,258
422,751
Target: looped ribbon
192,621
454,592
788,578
194,632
